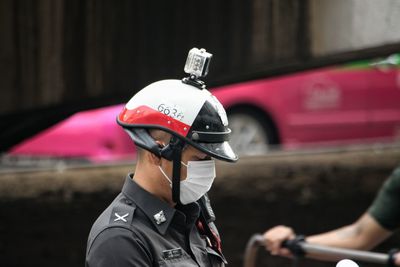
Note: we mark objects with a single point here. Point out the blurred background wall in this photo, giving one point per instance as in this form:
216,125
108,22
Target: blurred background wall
60,51
343,25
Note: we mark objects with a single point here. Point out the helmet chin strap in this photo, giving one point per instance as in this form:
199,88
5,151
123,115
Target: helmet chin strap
175,148
176,177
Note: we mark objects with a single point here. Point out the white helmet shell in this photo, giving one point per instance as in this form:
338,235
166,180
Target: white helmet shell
183,110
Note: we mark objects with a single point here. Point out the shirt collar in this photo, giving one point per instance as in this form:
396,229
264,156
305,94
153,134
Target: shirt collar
149,204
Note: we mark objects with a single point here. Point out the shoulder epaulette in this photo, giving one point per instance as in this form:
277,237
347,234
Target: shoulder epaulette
122,213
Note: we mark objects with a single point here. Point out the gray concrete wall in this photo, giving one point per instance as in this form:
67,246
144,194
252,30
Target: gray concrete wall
46,216
347,25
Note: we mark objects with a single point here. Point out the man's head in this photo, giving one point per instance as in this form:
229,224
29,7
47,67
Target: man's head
178,122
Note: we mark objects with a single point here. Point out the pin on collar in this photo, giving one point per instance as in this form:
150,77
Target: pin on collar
159,217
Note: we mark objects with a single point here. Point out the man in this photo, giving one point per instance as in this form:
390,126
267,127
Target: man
163,217
374,226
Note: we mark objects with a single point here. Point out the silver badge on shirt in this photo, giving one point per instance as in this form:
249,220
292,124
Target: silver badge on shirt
159,217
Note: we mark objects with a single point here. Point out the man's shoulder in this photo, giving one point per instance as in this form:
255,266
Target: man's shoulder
117,244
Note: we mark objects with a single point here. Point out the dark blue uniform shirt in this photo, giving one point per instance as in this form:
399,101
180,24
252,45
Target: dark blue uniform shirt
139,229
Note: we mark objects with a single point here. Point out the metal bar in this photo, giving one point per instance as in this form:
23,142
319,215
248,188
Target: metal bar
366,256
250,253
341,253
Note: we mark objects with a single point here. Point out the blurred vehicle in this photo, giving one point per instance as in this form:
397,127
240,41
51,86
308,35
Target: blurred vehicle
91,135
355,102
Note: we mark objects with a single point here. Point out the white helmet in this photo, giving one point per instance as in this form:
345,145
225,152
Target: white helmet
191,114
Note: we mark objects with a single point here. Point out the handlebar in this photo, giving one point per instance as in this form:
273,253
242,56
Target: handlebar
299,247
251,250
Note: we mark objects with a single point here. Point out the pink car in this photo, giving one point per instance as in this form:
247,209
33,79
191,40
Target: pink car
357,102
90,135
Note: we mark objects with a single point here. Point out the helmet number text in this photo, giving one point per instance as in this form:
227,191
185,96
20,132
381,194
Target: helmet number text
173,112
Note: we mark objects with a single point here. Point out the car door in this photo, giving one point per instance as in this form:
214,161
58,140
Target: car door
332,105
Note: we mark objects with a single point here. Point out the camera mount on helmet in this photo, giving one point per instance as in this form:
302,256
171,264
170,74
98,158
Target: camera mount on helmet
196,66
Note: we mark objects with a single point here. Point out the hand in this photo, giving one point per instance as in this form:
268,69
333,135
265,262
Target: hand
274,238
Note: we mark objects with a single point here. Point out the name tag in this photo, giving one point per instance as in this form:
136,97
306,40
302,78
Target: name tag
172,253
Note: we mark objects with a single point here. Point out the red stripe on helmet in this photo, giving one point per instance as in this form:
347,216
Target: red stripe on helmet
146,115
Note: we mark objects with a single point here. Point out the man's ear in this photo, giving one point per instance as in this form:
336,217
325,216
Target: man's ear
153,158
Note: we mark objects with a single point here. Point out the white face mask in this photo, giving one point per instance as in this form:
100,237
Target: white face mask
200,176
